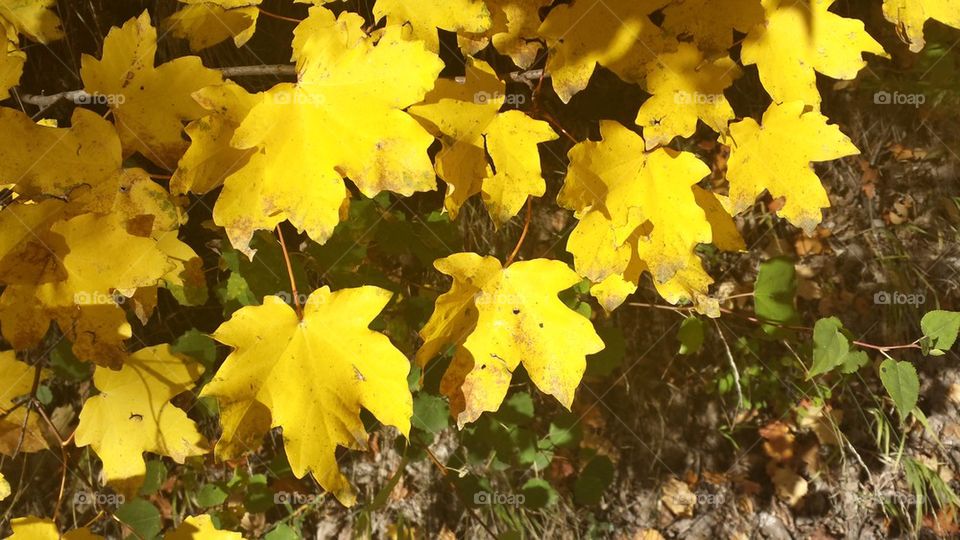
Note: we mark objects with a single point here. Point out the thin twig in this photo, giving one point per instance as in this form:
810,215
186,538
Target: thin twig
293,282
276,70
444,474
756,320
26,415
733,367
254,71
63,459
82,96
523,234
278,16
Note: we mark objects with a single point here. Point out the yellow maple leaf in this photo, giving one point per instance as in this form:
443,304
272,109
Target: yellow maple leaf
616,34
710,23
423,18
89,150
92,275
777,157
718,210
17,380
502,317
149,103
797,39
133,414
4,488
484,150
911,15
200,528
513,31
11,59
36,19
210,159
634,187
206,23
343,118
310,377
34,528
52,260
618,191
685,87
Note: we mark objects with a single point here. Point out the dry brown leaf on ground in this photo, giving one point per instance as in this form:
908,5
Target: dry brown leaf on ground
678,498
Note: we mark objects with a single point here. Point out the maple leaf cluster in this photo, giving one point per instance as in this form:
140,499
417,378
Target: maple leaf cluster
86,242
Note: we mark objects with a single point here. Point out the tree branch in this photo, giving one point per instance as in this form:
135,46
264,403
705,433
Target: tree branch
81,96
277,70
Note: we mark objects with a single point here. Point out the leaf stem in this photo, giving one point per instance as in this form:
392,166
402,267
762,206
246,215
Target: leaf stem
523,234
293,282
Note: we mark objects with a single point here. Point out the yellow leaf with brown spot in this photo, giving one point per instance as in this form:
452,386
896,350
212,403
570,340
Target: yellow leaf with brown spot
685,88
423,18
149,103
310,377
484,150
133,414
206,24
514,317
343,118
911,15
777,156
799,39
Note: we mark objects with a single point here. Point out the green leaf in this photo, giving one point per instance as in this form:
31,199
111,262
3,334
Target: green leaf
66,365
900,380
211,495
282,532
604,362
940,329
690,335
142,517
831,349
538,493
430,413
774,294
155,477
196,345
44,394
517,409
564,431
593,481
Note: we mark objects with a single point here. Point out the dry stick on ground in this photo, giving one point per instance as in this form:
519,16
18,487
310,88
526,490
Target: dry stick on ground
523,234
293,282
